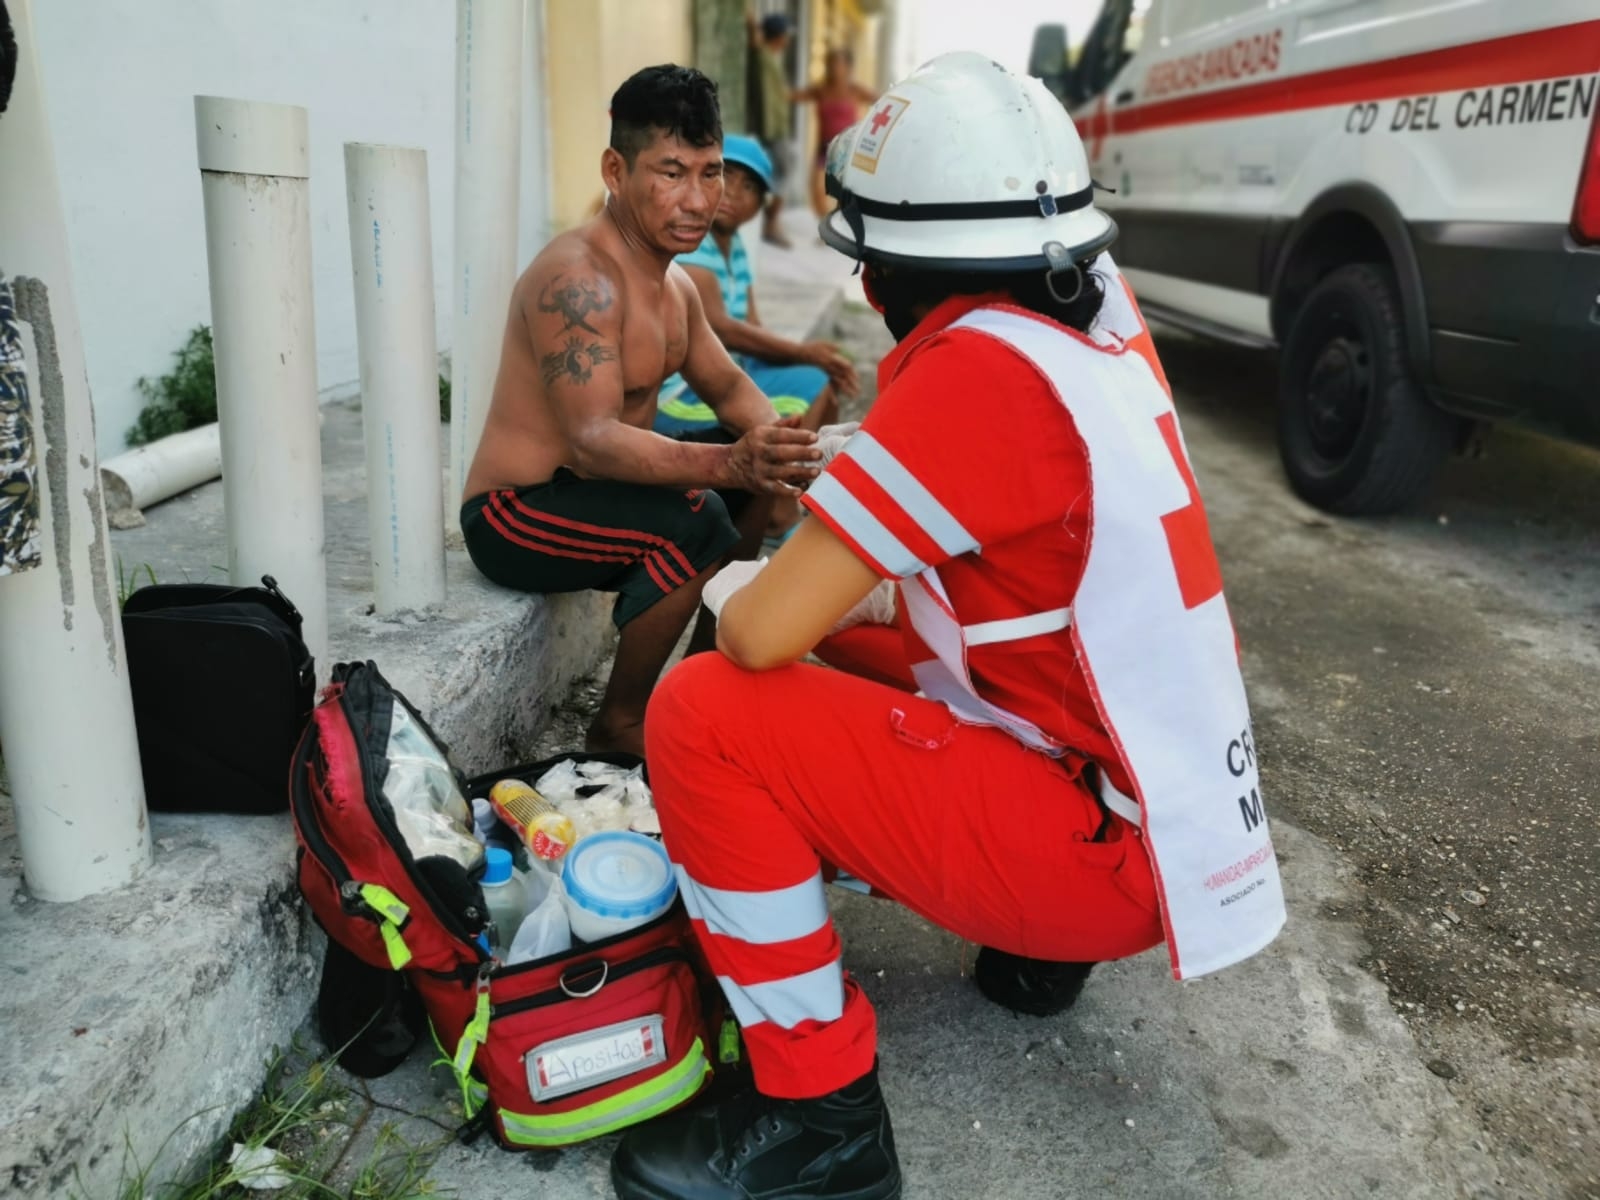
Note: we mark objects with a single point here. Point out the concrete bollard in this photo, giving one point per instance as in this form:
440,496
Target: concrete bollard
488,144
254,169
66,714
391,255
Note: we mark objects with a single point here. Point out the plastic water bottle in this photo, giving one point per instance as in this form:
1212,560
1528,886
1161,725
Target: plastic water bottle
506,897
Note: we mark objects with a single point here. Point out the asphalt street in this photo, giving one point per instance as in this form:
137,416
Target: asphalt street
1424,691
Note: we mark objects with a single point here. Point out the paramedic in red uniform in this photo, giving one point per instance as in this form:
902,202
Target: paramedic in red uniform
1063,789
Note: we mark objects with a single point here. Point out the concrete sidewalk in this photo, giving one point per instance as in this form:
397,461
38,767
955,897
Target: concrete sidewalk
141,1021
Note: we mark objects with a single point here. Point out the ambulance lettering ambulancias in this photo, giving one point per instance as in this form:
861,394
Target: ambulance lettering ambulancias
1564,53
1149,621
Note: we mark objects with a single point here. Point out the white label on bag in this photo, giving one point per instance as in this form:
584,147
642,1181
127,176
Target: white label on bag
583,1060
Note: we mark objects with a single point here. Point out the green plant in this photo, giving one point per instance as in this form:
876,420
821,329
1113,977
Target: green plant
313,1120
444,397
184,398
128,581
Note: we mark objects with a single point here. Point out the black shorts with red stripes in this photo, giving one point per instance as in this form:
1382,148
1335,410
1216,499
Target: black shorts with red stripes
576,535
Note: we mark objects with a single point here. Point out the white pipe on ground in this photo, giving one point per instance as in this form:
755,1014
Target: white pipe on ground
488,146
254,170
66,714
157,471
391,256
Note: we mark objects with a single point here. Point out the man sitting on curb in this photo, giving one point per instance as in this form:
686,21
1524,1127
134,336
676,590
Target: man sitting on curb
569,489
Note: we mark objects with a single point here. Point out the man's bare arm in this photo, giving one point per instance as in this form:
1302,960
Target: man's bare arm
713,375
575,328
574,325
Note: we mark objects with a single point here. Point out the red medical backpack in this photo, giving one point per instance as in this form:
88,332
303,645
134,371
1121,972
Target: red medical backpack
546,1053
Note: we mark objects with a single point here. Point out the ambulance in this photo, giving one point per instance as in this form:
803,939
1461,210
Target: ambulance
1402,196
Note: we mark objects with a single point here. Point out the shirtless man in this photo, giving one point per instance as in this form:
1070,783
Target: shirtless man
570,490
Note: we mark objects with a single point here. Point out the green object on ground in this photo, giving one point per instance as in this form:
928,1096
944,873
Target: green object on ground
184,398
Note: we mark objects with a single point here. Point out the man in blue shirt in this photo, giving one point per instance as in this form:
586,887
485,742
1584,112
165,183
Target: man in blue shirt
800,378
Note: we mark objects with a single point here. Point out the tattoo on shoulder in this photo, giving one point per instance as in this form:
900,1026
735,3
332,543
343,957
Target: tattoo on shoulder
575,362
575,299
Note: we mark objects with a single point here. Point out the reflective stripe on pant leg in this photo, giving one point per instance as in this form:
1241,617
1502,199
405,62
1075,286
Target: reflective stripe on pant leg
776,957
815,996
755,935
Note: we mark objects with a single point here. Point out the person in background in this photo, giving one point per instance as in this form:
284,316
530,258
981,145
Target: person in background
801,379
769,38
839,100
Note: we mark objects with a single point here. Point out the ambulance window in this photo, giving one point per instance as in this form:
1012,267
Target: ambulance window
1106,49
1133,36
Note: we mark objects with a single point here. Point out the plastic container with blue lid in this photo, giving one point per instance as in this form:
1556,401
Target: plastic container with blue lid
616,881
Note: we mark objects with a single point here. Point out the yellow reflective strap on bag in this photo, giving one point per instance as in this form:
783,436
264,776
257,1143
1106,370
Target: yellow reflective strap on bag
385,903
639,1103
728,1042
473,1036
393,913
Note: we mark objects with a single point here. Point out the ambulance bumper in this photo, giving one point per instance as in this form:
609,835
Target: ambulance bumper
1514,318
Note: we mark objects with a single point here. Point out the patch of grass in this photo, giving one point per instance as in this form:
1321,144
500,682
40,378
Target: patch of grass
144,575
312,1119
128,582
184,398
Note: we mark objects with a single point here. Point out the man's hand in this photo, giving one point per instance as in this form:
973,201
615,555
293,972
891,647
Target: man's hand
781,459
841,371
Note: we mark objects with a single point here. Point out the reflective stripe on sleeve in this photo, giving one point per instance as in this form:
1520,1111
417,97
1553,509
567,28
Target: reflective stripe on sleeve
908,492
759,918
888,551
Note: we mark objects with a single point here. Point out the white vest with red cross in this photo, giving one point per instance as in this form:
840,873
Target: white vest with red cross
1152,633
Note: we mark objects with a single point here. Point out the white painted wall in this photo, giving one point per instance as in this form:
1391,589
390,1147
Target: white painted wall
1003,31
120,77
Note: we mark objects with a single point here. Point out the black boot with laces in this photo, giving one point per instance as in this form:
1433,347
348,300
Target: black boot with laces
835,1147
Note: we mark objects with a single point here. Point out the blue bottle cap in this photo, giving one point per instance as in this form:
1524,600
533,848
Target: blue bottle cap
498,869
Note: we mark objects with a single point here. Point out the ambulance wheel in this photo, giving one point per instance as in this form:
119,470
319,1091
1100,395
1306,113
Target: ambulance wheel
1356,431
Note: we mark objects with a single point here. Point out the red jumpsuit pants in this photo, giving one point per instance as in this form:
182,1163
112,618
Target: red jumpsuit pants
761,778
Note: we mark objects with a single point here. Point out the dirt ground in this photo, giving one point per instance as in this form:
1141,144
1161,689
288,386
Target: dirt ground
1424,691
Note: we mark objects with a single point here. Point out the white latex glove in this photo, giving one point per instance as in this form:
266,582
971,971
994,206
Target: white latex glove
728,581
877,607
831,439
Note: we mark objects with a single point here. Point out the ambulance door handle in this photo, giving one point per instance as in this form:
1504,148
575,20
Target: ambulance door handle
1124,98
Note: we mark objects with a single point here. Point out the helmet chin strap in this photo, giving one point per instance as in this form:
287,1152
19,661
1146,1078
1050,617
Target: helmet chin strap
850,210
1060,263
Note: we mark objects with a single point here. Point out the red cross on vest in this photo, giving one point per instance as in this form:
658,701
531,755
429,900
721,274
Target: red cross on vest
882,117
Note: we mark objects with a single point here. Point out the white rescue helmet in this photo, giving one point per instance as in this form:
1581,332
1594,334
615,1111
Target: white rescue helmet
965,166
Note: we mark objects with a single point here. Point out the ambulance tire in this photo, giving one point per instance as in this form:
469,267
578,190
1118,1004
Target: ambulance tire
1356,432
